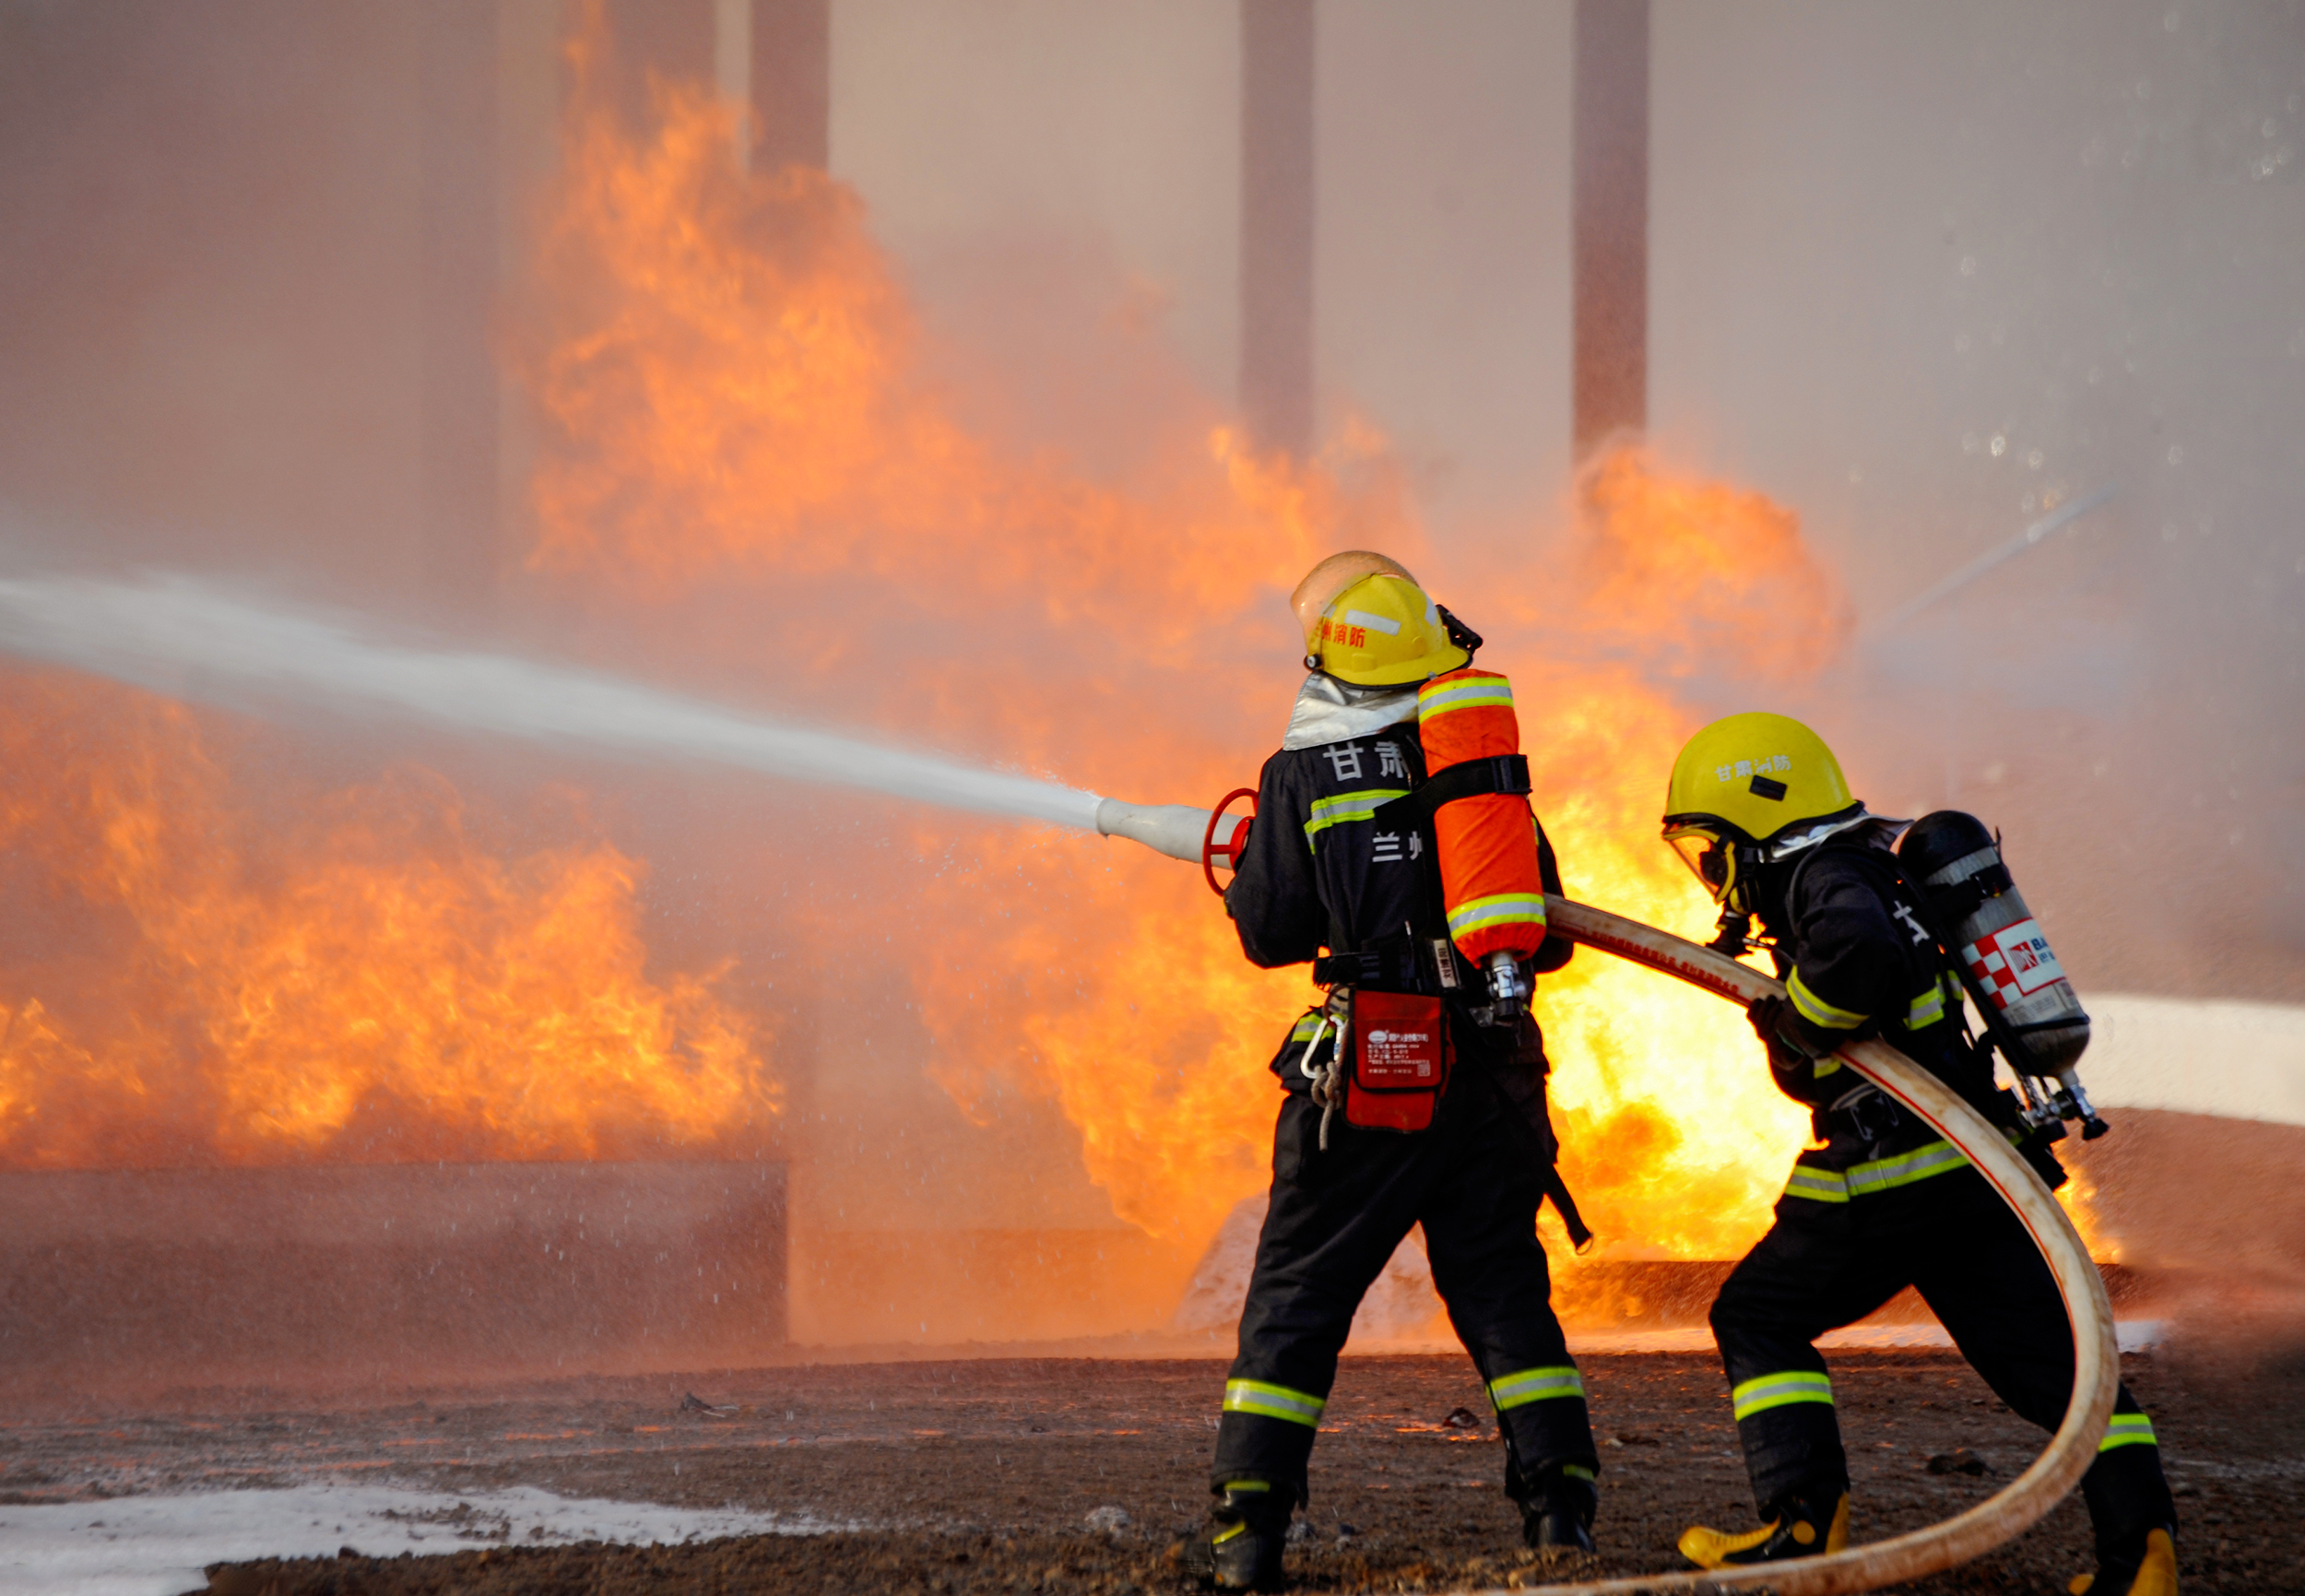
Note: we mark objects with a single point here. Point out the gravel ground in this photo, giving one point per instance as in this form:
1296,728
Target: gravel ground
1073,1475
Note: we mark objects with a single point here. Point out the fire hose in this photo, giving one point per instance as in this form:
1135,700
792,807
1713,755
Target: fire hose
2097,1360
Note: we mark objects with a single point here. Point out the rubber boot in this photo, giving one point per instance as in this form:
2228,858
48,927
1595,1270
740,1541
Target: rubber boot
1802,1524
1558,1514
2146,1568
1240,1550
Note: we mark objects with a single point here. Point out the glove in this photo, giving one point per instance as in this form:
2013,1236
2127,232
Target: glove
1778,1024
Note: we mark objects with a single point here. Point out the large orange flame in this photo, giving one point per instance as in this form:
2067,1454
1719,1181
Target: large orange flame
336,975
740,399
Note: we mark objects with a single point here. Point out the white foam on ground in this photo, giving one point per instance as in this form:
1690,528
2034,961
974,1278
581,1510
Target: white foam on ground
161,1546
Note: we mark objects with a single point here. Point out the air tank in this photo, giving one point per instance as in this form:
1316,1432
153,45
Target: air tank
2003,956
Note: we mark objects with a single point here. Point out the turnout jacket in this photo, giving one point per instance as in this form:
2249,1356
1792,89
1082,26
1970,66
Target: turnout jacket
1317,873
1321,875
1858,961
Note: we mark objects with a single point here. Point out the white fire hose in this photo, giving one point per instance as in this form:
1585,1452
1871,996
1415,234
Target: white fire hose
2097,1361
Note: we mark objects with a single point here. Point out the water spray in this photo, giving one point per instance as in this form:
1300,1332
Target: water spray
191,640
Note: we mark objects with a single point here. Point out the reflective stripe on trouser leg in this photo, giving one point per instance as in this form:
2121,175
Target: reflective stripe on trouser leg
1274,1402
1250,1446
2127,1492
1791,1435
1542,1413
1266,1431
1777,1389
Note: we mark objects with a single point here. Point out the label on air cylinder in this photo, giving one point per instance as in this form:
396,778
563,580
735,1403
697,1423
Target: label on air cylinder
2014,961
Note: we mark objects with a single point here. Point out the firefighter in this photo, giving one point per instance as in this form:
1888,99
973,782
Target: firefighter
1757,807
1414,1094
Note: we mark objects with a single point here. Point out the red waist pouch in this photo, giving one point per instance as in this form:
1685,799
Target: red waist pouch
1399,1061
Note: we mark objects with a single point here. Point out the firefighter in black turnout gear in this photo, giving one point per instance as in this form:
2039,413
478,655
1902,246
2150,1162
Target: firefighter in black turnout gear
1758,807
1414,1094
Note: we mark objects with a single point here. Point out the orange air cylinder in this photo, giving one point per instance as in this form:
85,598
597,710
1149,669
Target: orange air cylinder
1487,845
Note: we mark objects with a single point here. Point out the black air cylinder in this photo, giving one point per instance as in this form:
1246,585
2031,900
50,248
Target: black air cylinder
1956,863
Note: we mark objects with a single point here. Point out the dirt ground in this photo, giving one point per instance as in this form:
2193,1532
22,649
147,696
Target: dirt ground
1073,1475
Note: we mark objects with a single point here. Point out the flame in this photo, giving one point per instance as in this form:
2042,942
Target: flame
740,399
2079,1195
1693,578
751,472
364,981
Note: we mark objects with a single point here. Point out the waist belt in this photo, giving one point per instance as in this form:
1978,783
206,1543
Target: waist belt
1427,966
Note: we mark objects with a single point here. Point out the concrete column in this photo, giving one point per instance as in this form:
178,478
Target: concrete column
1609,226
531,90
674,39
457,268
791,90
1276,303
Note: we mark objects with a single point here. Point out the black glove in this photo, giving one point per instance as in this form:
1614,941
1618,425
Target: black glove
1778,1024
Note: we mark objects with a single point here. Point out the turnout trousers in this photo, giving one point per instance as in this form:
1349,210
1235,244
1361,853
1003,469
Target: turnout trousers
1845,1242
1473,1180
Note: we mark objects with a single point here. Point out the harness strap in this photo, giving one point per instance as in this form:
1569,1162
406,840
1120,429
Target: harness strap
1505,772
1396,963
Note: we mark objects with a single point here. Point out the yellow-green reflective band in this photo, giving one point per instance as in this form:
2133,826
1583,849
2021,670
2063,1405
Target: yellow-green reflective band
2128,1430
1925,1010
1930,1007
1780,1389
1815,1010
1248,1485
1517,1390
1490,693
1273,1402
1499,909
1576,1471
1819,1185
1826,1067
1348,806
1883,1174
1303,1030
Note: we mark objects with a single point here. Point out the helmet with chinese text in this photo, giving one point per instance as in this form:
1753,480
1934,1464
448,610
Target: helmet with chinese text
1383,631
1333,576
1751,791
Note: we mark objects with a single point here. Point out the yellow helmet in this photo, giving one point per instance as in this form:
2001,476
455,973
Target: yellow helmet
1749,791
1333,576
1381,631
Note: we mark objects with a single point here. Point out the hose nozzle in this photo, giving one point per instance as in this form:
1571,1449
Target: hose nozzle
1172,829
